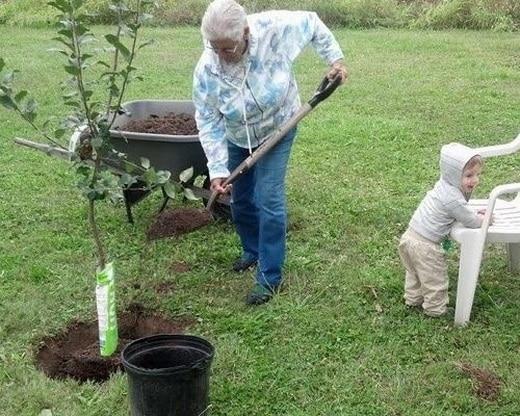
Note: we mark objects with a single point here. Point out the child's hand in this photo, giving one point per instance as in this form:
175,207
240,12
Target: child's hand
482,212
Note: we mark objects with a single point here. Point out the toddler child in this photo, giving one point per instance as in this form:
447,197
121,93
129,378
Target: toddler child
426,282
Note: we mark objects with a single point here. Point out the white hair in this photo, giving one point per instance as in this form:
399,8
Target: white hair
223,19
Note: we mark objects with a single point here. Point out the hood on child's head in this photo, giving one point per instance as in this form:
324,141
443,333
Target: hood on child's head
454,157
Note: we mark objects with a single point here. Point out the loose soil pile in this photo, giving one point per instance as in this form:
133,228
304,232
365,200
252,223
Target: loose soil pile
170,223
75,352
486,385
174,124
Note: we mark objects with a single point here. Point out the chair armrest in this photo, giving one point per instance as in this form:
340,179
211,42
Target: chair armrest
493,196
500,149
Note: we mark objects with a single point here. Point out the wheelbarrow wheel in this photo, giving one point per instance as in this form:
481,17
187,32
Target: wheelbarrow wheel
220,210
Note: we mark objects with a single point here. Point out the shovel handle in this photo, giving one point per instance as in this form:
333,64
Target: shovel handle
324,90
211,202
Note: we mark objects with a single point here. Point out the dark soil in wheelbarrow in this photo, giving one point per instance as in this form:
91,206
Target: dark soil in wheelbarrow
174,124
175,222
74,353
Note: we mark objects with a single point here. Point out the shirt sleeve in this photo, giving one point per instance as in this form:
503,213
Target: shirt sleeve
210,124
299,28
464,215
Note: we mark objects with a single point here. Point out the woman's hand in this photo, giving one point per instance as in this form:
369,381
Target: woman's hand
217,186
338,68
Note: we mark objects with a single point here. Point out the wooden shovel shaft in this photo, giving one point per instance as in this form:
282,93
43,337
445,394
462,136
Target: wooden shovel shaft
260,152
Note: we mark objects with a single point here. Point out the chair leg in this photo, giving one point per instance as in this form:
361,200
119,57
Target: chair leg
513,254
469,267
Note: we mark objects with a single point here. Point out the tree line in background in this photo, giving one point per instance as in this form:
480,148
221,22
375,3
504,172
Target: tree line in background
499,15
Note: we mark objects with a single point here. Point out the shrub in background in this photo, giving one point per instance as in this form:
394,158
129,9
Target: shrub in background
428,14
472,14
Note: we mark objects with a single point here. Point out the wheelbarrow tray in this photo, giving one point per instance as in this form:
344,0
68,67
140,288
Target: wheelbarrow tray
165,152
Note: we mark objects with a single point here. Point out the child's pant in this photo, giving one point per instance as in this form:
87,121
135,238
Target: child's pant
426,281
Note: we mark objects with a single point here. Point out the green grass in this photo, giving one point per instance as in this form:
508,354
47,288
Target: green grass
337,340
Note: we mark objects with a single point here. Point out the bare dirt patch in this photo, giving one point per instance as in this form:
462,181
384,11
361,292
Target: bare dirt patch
180,267
164,288
486,384
175,222
172,124
75,352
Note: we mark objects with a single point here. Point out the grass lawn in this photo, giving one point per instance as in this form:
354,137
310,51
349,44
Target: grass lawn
337,340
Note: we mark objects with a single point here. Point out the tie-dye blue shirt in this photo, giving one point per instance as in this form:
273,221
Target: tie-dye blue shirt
262,83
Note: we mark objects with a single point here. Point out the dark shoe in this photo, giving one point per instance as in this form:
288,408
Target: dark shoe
242,264
259,295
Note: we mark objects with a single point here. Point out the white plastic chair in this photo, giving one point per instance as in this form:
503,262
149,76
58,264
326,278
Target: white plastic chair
505,228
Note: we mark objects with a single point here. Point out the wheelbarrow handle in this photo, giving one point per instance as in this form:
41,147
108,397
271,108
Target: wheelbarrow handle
325,89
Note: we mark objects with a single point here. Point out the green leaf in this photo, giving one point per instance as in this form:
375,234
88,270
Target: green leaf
63,52
126,180
83,170
186,175
2,64
70,94
20,96
146,43
8,77
150,177
73,70
58,133
188,193
199,181
66,33
163,176
29,115
77,3
31,105
114,41
81,30
169,189
61,40
103,63
61,5
28,110
145,163
145,17
7,102
96,142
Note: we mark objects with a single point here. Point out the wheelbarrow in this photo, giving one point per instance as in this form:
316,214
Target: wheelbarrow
174,153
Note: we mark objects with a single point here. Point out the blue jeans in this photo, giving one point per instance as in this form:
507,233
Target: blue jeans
259,209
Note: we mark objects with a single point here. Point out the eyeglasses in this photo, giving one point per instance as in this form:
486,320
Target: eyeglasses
223,50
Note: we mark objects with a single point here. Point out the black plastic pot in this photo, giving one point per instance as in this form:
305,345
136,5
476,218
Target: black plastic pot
168,375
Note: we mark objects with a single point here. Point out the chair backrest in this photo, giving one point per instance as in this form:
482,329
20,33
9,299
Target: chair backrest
500,149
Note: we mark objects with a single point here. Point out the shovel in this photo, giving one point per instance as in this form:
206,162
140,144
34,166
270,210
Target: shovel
325,89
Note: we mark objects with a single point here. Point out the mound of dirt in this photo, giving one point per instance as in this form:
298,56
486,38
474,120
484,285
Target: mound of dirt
75,352
174,222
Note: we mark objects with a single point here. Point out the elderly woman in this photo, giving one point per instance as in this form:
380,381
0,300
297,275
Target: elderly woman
244,89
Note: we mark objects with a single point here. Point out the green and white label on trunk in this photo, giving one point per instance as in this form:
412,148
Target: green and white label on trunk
106,310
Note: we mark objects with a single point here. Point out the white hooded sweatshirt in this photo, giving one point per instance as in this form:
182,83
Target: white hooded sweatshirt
445,203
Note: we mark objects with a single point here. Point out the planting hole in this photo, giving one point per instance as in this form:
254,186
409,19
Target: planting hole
75,352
